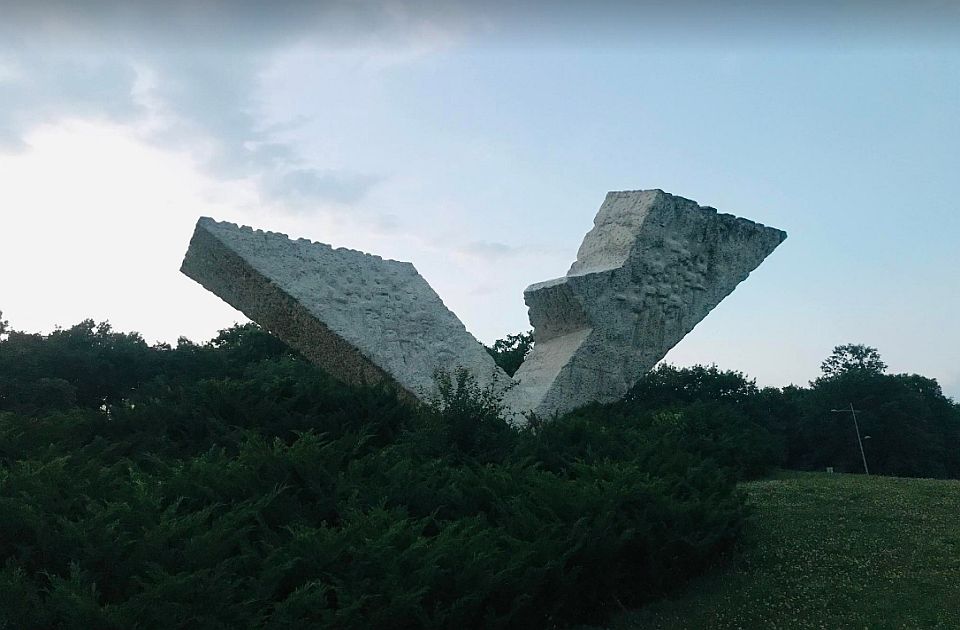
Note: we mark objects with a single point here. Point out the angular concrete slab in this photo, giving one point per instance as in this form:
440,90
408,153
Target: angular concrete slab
651,268
362,318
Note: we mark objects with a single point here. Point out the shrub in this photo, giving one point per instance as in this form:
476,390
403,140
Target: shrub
234,485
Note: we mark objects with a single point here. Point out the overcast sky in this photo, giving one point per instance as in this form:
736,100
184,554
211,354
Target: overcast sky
479,143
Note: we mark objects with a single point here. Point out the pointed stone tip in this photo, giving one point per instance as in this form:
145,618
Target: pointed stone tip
659,192
649,195
638,192
223,227
209,223
228,230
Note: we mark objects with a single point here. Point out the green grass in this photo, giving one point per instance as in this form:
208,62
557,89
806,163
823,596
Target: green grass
832,551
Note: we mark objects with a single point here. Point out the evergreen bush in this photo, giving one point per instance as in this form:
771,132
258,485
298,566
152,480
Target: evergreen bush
234,485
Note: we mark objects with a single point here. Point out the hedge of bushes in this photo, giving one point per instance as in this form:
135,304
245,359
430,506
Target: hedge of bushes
234,485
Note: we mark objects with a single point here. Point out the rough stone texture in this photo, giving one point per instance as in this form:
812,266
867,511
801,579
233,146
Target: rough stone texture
651,268
362,318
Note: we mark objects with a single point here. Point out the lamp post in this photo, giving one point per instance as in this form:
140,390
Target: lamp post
856,425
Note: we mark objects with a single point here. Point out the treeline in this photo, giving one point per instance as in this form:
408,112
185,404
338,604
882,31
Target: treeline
908,427
232,484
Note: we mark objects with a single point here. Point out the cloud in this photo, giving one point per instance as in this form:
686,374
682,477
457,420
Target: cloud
187,77
214,23
212,96
299,187
245,25
227,25
42,88
489,250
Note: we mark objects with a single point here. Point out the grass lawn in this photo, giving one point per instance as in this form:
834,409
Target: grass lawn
832,551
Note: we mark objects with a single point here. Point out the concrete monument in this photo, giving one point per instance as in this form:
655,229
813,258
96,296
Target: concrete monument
650,269
360,317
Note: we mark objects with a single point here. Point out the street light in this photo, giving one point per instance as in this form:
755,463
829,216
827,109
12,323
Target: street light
856,425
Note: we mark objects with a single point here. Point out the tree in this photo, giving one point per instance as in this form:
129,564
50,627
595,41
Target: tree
4,327
913,429
667,385
510,352
721,414
235,463
100,365
852,357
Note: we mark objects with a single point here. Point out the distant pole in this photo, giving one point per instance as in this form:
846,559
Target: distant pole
856,425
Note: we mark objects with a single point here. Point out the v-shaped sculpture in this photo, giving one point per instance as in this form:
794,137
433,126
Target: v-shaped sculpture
651,268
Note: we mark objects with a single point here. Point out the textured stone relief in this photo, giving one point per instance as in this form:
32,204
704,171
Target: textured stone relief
650,269
360,317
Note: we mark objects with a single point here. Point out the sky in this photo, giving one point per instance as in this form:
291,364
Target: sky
478,143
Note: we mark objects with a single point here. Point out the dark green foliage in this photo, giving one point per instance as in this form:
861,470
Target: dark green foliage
234,485
719,414
852,357
88,363
667,385
913,429
909,427
510,351
465,421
